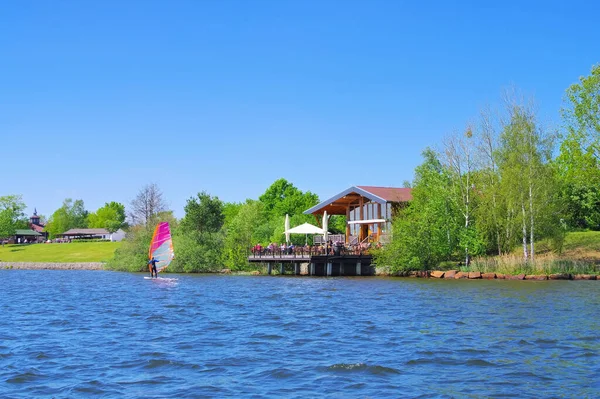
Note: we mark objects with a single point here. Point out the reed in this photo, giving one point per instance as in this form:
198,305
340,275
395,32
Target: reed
548,263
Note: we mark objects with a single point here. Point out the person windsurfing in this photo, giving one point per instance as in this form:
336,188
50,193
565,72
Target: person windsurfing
152,266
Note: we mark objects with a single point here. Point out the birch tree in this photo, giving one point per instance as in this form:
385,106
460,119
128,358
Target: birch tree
459,157
526,175
491,205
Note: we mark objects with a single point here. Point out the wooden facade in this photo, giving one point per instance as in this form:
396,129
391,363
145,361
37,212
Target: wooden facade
368,210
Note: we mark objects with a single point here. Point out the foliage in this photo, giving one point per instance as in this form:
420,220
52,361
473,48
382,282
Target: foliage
282,198
578,161
203,214
12,215
197,252
132,256
70,215
425,232
527,180
241,232
337,224
110,217
199,239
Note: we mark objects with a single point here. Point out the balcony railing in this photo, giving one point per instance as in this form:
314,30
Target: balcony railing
306,252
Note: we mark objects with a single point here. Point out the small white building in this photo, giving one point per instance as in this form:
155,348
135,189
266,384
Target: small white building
118,235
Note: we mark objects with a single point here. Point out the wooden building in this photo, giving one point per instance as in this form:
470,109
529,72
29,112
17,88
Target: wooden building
368,210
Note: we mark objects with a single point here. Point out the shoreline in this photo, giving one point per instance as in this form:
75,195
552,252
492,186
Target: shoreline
52,266
457,275
429,274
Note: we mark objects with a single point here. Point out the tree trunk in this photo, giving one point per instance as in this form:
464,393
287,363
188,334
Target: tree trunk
524,232
531,218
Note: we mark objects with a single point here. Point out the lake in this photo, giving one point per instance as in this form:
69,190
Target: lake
72,334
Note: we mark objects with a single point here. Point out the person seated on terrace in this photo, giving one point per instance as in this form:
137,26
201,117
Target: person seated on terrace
291,249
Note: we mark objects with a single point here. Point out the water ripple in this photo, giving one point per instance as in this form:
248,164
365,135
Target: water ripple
102,334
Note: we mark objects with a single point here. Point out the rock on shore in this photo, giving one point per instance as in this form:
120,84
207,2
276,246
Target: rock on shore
52,266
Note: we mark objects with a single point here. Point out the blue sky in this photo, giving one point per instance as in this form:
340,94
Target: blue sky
100,98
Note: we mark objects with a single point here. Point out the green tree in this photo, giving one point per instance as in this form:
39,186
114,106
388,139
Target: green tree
425,232
203,214
459,161
71,214
578,162
282,198
199,238
12,215
110,217
241,233
489,213
528,181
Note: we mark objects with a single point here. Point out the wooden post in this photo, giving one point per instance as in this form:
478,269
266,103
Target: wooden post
312,269
358,269
297,269
282,268
361,234
329,267
379,224
269,268
347,225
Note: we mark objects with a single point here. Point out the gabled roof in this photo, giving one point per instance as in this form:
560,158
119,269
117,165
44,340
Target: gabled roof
26,232
85,232
390,194
36,227
337,204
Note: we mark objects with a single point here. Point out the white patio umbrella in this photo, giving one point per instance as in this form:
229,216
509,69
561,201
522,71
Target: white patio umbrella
325,226
287,227
305,228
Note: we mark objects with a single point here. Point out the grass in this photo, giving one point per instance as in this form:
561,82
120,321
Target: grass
59,253
580,255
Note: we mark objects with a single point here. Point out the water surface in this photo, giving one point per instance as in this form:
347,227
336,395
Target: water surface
67,334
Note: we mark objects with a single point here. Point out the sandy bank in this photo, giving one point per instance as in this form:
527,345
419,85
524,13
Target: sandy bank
52,266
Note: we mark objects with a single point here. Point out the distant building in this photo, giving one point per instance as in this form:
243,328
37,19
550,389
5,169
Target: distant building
23,236
35,224
93,234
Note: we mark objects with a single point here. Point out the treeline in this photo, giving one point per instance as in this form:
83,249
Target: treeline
214,234
72,214
498,186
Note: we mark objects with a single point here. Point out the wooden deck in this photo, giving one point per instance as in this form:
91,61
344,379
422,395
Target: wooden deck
341,262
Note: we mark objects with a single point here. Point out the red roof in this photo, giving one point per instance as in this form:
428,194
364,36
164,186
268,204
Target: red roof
391,194
37,228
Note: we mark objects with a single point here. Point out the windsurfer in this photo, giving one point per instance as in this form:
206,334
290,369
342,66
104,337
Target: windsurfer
152,266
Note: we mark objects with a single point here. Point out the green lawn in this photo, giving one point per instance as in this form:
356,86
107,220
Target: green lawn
59,253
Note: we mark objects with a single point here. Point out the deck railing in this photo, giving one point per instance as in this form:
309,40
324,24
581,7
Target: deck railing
307,252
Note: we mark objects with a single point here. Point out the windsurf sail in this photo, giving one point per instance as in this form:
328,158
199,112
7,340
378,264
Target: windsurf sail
161,246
